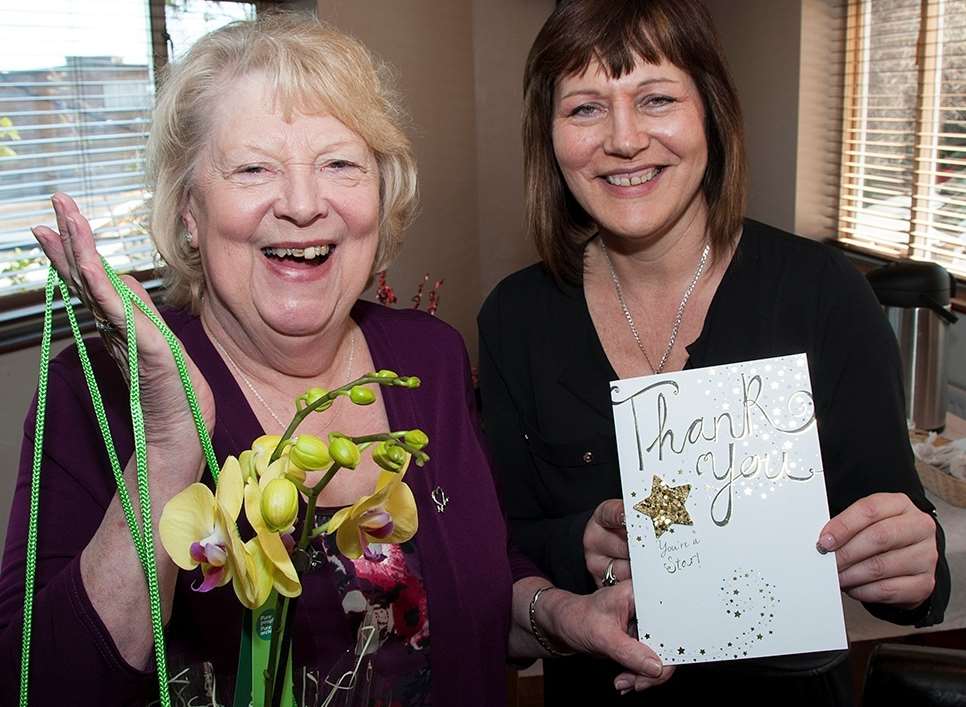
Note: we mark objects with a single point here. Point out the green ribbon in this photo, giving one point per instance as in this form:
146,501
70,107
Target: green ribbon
142,530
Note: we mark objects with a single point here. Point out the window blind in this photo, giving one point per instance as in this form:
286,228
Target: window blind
76,88
903,158
76,91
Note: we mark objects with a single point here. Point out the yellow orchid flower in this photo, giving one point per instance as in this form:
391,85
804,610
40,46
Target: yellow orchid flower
198,528
270,557
388,515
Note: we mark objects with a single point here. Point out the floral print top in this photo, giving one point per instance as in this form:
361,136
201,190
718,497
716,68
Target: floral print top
385,606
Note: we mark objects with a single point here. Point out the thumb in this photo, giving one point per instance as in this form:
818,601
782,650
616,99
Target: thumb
610,514
633,655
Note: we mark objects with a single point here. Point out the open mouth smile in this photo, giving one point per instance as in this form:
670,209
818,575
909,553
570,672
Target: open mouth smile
312,256
633,179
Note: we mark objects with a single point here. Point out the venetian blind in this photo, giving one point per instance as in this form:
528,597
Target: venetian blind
903,166
76,92
75,96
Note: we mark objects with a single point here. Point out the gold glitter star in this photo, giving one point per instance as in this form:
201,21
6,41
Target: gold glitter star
665,506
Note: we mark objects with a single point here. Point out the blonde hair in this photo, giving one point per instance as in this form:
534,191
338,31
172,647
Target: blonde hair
313,68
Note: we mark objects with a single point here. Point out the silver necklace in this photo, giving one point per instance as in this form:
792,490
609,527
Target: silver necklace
251,387
678,318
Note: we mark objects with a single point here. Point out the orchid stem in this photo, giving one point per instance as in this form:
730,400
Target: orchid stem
281,631
302,413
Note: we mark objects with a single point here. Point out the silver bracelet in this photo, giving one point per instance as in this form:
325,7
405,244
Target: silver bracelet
537,633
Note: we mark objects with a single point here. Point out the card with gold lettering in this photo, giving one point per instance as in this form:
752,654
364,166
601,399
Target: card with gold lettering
724,494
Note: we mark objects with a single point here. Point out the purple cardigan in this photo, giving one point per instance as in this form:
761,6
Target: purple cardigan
466,566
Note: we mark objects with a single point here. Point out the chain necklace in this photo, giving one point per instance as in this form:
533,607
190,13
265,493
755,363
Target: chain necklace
678,318
251,387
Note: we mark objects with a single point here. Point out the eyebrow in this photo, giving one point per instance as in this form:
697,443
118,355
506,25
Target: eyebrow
592,92
268,149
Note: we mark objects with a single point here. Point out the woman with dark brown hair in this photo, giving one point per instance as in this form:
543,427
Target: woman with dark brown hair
635,182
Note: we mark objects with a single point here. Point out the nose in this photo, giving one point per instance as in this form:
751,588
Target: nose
628,132
302,199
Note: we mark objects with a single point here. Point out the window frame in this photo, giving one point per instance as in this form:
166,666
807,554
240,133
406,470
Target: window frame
21,313
926,151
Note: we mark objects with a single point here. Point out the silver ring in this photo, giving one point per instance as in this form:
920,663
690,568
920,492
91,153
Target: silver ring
609,579
104,326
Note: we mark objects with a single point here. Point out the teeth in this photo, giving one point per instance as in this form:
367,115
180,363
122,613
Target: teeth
309,253
624,181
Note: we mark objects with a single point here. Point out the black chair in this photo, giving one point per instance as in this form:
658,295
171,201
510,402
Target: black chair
915,676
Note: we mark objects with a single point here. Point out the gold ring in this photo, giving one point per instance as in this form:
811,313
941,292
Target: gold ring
609,579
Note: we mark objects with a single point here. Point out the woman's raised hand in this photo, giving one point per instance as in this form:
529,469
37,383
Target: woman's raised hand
72,252
885,548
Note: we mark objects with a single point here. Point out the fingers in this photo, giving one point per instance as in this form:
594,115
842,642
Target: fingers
605,539
605,543
908,592
78,261
610,514
53,248
612,638
918,559
859,516
628,682
893,533
633,655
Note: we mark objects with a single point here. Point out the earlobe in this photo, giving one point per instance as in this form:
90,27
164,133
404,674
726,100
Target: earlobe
190,224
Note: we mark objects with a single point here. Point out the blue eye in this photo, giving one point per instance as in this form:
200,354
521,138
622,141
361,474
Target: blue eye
584,110
658,101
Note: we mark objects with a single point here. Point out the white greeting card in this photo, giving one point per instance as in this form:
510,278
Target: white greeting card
724,495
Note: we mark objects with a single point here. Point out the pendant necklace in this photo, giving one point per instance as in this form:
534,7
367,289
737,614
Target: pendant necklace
251,387
678,317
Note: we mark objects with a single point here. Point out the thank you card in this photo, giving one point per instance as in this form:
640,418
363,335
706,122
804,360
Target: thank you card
724,494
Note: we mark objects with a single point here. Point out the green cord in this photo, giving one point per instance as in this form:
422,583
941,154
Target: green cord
143,533
101,416
28,591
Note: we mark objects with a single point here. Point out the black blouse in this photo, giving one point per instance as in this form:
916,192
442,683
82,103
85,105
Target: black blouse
546,400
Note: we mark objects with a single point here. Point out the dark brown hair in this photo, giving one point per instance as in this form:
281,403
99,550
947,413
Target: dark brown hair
618,34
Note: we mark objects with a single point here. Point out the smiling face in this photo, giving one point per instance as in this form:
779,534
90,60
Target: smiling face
633,149
285,213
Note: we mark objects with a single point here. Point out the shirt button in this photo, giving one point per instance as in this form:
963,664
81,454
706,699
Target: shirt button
588,457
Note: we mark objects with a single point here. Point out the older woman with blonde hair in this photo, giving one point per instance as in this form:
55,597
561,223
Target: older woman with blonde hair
281,181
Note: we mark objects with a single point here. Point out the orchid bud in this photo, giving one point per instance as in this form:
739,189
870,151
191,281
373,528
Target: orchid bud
416,439
312,395
344,451
409,382
361,395
294,473
389,455
309,453
385,373
246,460
280,504
266,444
